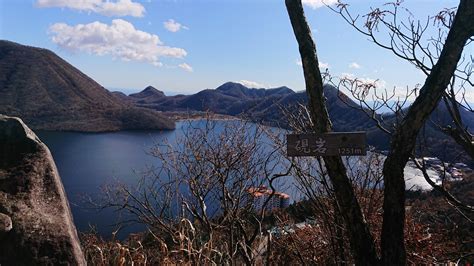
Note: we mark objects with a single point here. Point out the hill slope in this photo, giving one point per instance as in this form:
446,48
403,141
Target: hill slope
49,93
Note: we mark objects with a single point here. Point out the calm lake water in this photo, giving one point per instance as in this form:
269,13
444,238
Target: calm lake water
87,161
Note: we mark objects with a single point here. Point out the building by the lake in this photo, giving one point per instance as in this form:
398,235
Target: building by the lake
261,194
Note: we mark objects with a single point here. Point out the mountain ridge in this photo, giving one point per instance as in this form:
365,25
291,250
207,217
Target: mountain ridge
260,105
265,106
49,93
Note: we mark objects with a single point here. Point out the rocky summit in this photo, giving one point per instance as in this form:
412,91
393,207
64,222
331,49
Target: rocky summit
36,225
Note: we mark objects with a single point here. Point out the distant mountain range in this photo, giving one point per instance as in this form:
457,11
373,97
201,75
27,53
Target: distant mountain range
265,106
49,93
260,105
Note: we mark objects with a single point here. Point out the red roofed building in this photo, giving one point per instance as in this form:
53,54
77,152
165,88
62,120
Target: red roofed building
261,194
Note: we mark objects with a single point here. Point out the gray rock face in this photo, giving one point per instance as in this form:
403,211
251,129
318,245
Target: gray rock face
36,225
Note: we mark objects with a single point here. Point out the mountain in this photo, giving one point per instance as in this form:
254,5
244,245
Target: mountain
240,91
148,95
259,105
265,106
49,93
439,144
122,96
342,110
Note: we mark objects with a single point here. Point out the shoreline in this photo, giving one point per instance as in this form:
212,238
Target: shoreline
186,116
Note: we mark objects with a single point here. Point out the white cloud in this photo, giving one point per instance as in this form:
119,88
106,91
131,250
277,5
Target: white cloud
321,64
354,65
347,76
186,67
173,26
119,39
118,8
379,83
318,3
252,84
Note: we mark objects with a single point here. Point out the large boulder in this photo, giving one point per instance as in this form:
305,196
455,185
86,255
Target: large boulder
36,225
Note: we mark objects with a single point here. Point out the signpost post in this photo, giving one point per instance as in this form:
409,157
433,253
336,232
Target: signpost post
328,144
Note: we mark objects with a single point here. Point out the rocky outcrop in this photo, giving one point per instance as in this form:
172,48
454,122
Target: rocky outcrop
36,225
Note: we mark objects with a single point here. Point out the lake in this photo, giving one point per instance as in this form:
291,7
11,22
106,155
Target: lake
87,161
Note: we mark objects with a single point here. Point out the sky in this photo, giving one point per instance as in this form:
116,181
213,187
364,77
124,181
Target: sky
184,46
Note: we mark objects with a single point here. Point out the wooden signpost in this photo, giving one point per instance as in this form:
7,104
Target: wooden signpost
329,144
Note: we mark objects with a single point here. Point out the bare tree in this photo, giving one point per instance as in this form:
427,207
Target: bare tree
312,179
403,138
420,43
198,200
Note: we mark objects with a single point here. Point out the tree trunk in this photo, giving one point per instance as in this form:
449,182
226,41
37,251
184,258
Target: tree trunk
404,139
361,241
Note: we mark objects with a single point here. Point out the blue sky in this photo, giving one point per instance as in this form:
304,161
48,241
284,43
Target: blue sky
183,46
